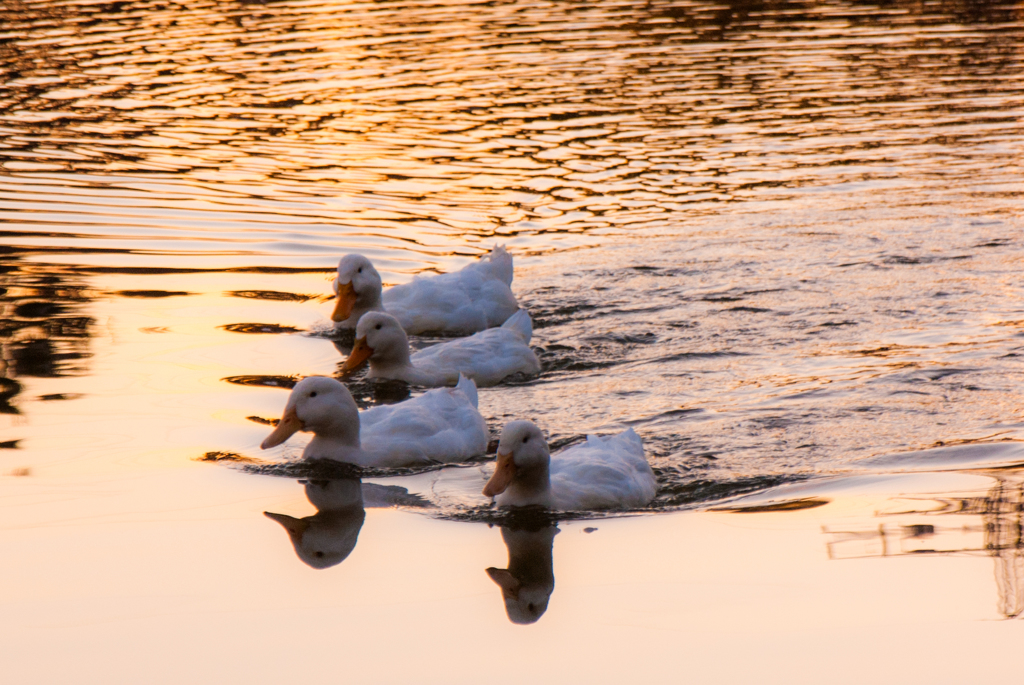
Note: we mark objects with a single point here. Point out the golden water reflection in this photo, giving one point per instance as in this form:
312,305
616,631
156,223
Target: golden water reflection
806,219
45,327
988,524
254,128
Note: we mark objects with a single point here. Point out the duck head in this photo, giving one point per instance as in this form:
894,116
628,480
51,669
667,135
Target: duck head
380,339
322,406
357,287
523,463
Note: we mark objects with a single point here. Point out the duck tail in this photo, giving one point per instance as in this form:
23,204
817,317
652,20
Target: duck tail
630,434
468,388
500,263
521,323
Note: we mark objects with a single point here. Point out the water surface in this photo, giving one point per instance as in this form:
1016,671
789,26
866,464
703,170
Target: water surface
780,240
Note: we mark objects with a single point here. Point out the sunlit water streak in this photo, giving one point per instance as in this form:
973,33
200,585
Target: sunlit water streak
813,207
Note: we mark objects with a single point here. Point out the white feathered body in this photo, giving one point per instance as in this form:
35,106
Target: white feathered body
442,425
475,298
486,357
601,473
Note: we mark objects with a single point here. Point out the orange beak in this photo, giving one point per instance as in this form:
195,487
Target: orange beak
359,354
346,301
288,426
504,472
295,527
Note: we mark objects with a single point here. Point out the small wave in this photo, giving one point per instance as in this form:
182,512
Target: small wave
152,293
286,382
372,392
786,505
59,396
259,328
522,518
327,469
676,492
343,338
273,295
682,356
991,452
232,457
753,310
903,260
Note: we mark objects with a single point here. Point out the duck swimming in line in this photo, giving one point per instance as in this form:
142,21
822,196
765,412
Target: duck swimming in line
477,297
602,473
485,357
440,426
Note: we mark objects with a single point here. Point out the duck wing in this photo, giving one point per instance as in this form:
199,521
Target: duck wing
486,357
442,425
603,473
462,302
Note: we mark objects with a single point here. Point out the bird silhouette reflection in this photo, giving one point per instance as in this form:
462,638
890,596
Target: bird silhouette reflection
330,535
526,585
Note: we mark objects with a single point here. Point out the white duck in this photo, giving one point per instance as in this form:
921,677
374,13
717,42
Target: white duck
602,473
459,303
486,357
440,426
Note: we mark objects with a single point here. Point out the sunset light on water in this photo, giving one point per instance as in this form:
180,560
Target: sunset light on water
780,241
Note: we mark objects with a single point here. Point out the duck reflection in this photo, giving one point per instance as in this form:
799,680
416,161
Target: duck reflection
328,537
526,585
344,340
997,530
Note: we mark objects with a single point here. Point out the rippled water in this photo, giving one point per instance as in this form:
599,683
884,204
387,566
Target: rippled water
781,240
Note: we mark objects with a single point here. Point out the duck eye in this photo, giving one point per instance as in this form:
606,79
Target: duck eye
359,270
313,394
377,327
526,439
